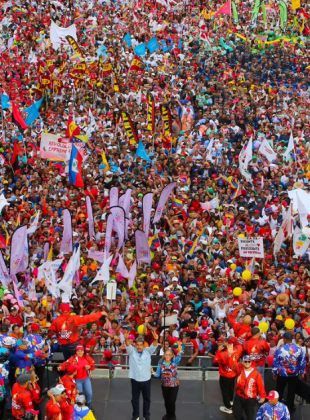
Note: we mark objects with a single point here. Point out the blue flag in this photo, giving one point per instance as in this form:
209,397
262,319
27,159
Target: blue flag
171,46
102,50
127,39
5,101
141,152
180,44
164,46
140,49
152,45
33,114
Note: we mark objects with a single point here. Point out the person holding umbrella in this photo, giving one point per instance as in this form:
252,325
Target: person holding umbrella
273,409
168,373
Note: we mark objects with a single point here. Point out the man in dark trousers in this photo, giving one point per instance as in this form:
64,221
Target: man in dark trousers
288,364
249,385
140,373
227,375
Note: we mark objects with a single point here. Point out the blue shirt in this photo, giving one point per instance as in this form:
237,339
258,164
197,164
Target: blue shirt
140,363
289,360
278,411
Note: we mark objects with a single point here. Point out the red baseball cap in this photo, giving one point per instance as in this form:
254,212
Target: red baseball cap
301,296
79,347
204,323
71,369
273,395
64,307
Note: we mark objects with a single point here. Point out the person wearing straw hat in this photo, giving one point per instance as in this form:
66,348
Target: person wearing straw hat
282,299
273,408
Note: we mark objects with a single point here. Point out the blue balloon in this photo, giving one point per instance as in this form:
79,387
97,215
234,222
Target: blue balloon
239,269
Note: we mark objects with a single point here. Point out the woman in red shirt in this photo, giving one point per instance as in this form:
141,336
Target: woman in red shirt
84,364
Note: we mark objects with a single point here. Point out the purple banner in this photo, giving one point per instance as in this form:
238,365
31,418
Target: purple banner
4,273
91,225
96,255
19,251
124,201
114,197
119,224
147,208
66,243
143,252
163,200
46,250
108,236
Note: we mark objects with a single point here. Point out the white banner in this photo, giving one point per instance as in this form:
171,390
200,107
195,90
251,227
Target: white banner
52,148
58,35
251,247
266,150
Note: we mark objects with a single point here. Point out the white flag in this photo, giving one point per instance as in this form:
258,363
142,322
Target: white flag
34,225
49,265
121,267
66,283
104,272
58,35
51,283
248,153
286,229
3,202
266,150
290,146
300,242
132,274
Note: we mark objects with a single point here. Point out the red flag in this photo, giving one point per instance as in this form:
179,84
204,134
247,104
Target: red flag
136,64
306,325
2,241
225,9
15,153
18,119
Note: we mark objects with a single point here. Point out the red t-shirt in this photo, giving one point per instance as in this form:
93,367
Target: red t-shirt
52,410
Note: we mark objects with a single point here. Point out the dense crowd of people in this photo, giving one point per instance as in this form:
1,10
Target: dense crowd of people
142,144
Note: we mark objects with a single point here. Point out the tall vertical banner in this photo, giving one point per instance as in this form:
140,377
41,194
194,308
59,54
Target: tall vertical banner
147,209
119,224
91,225
151,113
66,243
19,247
114,197
163,200
143,252
108,236
4,273
166,116
124,201
130,129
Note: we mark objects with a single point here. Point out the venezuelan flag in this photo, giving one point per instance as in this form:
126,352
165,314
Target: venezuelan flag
79,19
177,203
236,193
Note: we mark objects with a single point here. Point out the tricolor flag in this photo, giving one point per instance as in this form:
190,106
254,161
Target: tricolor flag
177,202
75,168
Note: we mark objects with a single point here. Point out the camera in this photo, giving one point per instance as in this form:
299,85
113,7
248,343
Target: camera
28,416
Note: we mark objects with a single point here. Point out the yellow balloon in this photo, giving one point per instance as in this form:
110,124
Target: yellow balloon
241,235
246,275
141,329
233,266
44,302
289,324
263,326
237,291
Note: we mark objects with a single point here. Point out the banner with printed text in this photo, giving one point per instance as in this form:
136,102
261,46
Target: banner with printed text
251,247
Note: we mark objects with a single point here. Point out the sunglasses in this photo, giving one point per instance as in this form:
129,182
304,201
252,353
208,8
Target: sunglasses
247,361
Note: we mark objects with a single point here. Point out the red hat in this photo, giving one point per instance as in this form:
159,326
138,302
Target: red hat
79,347
273,395
301,296
210,331
233,340
204,323
204,336
108,354
71,369
64,307
35,327
156,265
